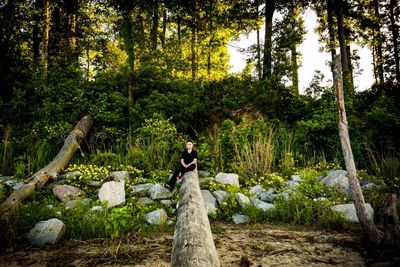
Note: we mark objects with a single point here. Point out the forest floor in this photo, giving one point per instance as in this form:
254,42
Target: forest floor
245,245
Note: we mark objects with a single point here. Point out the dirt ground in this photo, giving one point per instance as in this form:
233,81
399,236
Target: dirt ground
250,245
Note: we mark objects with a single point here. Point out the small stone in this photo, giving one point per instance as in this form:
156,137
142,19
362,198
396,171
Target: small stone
243,200
157,217
46,232
228,178
143,201
112,192
256,190
239,218
67,192
159,192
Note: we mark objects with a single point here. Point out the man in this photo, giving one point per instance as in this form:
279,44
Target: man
188,163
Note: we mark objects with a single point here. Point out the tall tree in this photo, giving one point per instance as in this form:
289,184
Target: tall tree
394,28
269,11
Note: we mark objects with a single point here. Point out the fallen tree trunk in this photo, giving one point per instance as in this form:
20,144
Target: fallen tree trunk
58,164
193,243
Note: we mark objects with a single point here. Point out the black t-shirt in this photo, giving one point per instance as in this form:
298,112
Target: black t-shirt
189,157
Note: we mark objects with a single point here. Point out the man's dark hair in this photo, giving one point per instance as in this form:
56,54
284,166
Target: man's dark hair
189,141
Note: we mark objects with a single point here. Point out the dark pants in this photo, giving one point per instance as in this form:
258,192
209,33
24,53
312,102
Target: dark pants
181,170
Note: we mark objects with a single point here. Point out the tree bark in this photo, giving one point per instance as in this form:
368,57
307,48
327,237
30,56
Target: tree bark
332,46
343,49
154,30
371,233
164,28
72,16
193,243
267,62
36,28
51,171
393,28
44,51
293,50
193,46
258,48
391,222
378,44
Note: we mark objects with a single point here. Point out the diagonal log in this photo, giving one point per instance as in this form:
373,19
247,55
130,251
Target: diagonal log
193,244
51,171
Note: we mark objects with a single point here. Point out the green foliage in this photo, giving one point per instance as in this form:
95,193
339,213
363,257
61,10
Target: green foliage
157,145
301,210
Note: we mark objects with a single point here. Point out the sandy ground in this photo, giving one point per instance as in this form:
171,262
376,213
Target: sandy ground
250,245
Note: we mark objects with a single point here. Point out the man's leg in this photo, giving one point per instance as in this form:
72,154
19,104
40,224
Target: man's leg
172,181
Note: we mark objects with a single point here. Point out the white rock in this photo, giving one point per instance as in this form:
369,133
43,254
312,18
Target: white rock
142,189
296,178
96,208
256,190
262,205
210,203
157,217
338,177
120,176
239,218
243,200
349,211
221,196
267,196
145,201
46,232
113,192
166,202
159,192
67,192
292,183
228,178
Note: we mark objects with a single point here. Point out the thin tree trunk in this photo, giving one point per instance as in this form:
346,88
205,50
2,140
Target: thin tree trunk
36,28
164,28
393,28
210,23
378,44
51,171
391,222
154,30
371,233
332,46
258,48
44,51
295,67
267,62
193,244
343,49
130,49
193,47
72,13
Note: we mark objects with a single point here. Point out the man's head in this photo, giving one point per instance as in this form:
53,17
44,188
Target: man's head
189,144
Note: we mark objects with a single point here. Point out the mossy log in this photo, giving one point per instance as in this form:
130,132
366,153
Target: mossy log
51,171
193,243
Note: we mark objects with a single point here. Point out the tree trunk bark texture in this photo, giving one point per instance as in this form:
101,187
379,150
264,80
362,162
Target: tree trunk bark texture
51,171
267,62
370,231
193,244
391,222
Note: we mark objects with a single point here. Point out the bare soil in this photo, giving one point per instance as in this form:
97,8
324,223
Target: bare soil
250,245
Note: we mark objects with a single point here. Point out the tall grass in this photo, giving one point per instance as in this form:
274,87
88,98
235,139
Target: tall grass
255,158
386,165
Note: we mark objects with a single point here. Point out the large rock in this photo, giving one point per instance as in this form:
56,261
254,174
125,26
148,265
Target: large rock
295,177
143,201
242,200
120,176
210,203
66,193
268,196
221,196
46,232
348,211
157,217
262,205
292,183
70,174
159,192
142,189
256,190
228,178
336,177
112,192
239,218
